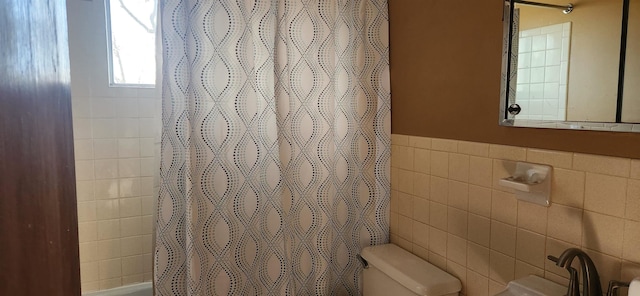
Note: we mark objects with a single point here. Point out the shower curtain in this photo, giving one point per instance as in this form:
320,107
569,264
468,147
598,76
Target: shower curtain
275,145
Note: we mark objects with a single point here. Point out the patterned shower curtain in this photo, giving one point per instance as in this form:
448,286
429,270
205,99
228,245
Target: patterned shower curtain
275,145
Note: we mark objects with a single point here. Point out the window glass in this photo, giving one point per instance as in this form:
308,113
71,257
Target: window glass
131,28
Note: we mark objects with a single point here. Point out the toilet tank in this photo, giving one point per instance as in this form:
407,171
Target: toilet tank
394,271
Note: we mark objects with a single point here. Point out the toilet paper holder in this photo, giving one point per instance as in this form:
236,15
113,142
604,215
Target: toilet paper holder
531,182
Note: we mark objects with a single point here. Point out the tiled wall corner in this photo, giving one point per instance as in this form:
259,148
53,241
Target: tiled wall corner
116,170
447,208
116,133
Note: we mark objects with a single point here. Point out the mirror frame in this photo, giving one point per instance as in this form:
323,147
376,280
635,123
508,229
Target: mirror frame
508,88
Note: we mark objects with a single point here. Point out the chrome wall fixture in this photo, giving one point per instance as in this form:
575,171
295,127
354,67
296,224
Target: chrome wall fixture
567,9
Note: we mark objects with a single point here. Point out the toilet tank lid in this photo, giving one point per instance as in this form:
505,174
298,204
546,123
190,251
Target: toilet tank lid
410,271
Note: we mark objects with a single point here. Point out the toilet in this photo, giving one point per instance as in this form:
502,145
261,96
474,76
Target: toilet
390,270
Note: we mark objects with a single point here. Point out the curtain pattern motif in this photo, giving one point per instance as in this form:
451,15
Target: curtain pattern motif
275,145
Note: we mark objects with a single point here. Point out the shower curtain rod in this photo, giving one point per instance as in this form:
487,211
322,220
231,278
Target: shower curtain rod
566,9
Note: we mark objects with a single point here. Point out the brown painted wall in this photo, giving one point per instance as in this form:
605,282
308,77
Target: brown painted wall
445,79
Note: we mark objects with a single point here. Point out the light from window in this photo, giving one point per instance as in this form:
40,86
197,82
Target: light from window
131,26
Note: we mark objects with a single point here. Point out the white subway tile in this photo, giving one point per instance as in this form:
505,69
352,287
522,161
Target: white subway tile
104,128
126,107
81,128
147,108
129,187
128,148
83,149
105,148
106,169
103,108
147,147
129,168
106,189
149,127
84,170
128,128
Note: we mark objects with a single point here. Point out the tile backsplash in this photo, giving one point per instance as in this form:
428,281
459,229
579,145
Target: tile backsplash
447,208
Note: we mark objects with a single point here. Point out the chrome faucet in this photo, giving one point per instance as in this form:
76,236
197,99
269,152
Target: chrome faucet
590,278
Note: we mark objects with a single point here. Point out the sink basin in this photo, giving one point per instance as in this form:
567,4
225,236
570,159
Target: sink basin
533,286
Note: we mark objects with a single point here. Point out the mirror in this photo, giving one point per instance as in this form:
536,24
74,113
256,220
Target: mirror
572,66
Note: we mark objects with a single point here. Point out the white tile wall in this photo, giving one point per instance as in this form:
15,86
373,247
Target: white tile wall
117,132
116,166
543,68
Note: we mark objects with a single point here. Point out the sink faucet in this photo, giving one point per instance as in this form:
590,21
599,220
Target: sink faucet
590,278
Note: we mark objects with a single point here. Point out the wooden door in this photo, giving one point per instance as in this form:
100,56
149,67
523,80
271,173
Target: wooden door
38,220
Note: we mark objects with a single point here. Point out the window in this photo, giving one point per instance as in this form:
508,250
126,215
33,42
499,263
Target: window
131,32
